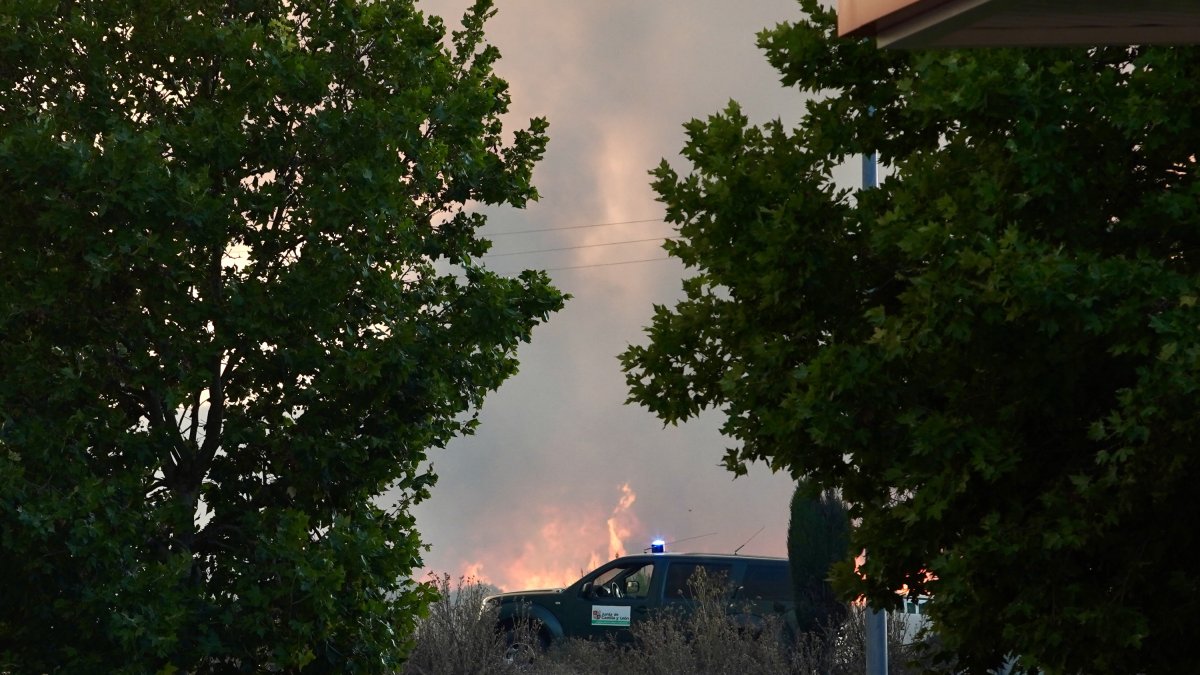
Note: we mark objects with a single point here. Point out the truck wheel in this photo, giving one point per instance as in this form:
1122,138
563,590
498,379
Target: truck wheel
523,643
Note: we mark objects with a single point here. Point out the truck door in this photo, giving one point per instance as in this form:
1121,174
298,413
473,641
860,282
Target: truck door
617,599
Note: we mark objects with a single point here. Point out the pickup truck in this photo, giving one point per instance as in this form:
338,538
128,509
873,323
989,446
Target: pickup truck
609,601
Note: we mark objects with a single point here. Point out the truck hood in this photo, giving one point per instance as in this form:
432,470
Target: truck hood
511,595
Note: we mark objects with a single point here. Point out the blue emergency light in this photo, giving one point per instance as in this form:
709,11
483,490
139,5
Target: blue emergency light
658,546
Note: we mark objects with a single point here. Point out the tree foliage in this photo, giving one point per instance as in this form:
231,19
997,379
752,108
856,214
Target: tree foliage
994,355
240,299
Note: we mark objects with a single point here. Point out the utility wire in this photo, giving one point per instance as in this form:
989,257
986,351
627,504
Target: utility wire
568,248
572,248
575,227
608,264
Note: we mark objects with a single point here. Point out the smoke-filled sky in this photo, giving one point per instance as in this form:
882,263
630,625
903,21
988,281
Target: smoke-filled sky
562,475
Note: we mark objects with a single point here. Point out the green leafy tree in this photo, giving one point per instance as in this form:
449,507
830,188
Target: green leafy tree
240,300
995,356
818,538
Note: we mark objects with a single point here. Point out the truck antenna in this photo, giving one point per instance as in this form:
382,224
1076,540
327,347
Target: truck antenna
699,536
735,551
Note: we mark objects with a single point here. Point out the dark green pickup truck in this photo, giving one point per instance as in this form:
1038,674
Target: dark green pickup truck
608,601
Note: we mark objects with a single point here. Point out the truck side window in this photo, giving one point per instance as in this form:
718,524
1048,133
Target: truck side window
767,582
679,573
637,583
627,581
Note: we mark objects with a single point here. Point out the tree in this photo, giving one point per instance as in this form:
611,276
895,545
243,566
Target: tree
994,355
241,297
818,538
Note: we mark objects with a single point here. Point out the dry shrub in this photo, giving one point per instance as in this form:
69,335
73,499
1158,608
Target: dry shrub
850,643
707,635
459,635
713,638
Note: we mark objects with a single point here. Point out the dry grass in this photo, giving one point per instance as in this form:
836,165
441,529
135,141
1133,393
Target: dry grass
459,639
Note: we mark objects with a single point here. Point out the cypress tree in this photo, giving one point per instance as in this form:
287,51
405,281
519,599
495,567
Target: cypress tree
818,537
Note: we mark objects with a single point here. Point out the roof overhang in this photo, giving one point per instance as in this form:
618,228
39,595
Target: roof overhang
920,24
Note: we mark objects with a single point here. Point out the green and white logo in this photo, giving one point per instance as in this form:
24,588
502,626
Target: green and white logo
610,616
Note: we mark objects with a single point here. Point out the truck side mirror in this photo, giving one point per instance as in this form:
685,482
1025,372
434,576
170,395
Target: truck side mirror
632,587
586,591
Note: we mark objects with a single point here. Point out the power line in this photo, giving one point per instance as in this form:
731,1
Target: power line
571,248
608,264
575,227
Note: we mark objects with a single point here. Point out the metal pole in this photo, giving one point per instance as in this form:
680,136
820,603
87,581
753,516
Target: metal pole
876,647
870,171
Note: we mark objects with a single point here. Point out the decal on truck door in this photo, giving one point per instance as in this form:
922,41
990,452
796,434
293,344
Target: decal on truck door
603,615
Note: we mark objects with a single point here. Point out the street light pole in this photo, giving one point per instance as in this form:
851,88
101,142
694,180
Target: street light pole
876,647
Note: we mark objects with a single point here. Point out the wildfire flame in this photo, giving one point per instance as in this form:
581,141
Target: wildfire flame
619,522
556,558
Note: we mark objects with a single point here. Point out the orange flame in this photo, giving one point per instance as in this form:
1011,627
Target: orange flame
619,522
567,545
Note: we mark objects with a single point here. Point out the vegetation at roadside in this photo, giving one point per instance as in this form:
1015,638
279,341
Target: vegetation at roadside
459,638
